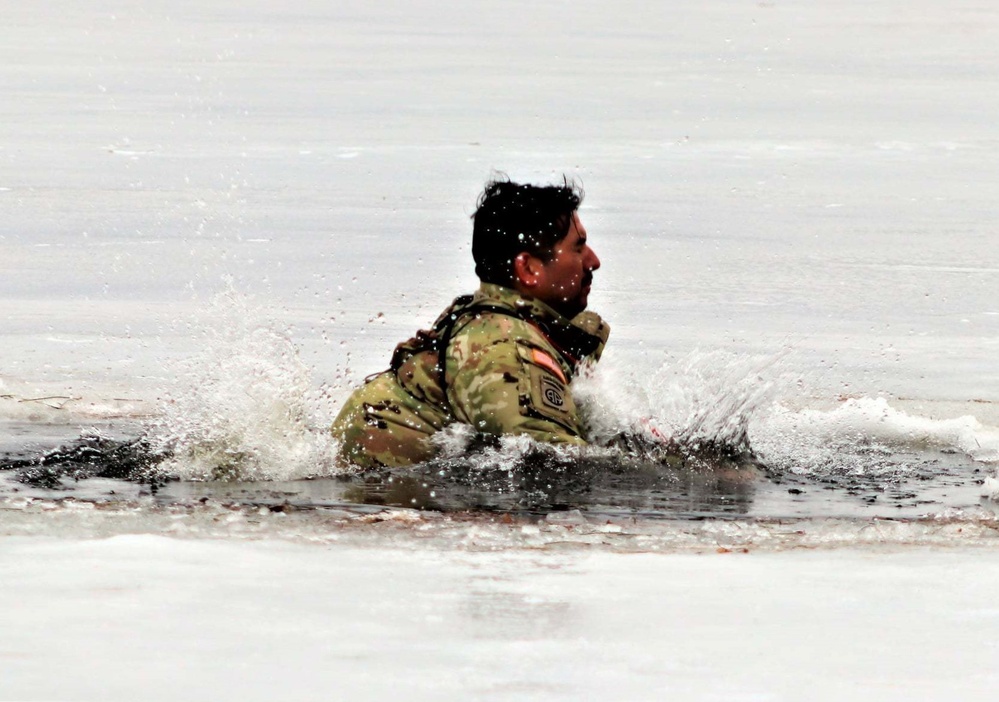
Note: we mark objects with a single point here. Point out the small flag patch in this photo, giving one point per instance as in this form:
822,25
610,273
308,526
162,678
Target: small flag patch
548,363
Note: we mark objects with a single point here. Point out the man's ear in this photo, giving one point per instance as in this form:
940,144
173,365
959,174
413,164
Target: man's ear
526,269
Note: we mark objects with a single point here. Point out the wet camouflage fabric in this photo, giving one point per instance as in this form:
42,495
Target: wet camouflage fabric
505,374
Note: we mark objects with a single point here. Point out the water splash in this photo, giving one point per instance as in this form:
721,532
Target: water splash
704,399
244,408
875,421
872,443
743,403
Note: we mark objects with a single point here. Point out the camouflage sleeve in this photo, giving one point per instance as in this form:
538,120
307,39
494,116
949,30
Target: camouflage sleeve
503,381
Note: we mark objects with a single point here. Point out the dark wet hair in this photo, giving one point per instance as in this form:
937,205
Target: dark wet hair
512,218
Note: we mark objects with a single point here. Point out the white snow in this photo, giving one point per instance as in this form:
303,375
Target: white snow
161,619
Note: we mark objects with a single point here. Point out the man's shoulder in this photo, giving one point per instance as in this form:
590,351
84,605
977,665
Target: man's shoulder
494,327
504,371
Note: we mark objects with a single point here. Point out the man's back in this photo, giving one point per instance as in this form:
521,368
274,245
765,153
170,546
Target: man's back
508,362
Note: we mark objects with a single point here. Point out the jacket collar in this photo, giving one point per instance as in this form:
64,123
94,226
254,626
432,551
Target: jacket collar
583,336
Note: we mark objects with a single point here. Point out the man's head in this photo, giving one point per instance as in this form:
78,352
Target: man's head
529,238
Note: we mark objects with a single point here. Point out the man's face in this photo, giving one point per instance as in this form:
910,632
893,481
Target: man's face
563,282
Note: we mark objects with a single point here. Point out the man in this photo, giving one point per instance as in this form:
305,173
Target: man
500,360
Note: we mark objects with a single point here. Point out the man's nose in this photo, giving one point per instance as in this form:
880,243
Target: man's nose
592,262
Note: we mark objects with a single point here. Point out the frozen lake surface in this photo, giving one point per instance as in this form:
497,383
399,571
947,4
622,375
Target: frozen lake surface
264,619
218,217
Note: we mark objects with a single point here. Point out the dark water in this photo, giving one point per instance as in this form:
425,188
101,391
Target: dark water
117,465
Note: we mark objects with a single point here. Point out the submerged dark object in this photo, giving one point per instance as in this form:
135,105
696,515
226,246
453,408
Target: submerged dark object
91,456
635,474
632,474
633,477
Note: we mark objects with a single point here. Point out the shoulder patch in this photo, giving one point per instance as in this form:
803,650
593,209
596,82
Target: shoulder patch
552,394
550,398
544,392
539,358
545,361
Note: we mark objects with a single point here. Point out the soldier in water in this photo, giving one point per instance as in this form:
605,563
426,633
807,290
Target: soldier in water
500,359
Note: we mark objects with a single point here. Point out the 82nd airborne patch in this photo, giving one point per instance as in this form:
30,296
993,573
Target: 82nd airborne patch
552,394
549,393
550,398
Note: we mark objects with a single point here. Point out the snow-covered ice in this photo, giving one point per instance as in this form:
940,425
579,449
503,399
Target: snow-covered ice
166,619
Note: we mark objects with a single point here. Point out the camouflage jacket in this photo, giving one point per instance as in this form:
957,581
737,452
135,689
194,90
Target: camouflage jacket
507,364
